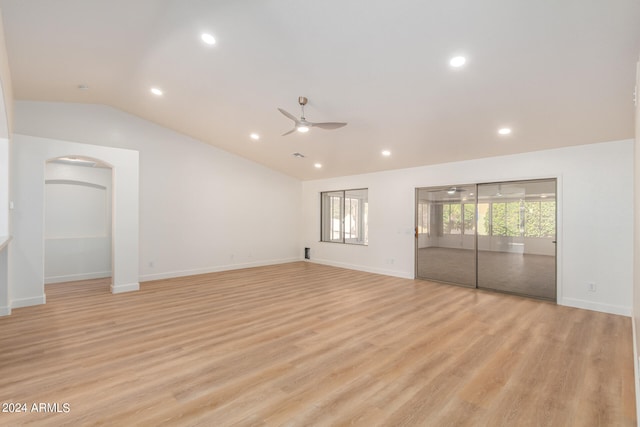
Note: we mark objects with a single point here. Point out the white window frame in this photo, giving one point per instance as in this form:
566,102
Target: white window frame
346,223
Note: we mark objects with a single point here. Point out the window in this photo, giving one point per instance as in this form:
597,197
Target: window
531,218
458,218
344,216
424,217
541,218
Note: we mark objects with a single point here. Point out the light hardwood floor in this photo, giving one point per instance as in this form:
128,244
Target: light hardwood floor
305,344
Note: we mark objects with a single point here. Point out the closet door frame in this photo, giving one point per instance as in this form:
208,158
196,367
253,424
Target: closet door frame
558,230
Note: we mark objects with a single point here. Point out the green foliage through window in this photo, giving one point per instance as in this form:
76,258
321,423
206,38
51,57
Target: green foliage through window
517,218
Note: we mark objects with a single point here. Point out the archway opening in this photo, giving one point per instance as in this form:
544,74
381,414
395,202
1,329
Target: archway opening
78,232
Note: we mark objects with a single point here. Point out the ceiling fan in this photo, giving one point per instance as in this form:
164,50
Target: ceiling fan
450,191
302,125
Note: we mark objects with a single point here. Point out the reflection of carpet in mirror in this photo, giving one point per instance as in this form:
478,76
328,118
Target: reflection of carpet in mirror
533,275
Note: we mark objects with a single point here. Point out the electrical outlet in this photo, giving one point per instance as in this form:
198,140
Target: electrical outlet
591,286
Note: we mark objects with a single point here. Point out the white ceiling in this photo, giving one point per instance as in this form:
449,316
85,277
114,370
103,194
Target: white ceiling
559,73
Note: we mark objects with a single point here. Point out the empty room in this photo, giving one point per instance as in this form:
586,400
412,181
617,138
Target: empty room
230,213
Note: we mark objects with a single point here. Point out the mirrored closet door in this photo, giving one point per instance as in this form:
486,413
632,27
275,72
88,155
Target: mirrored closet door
446,234
517,237
499,236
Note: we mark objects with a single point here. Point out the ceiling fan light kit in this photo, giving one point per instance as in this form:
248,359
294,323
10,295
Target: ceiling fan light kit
302,125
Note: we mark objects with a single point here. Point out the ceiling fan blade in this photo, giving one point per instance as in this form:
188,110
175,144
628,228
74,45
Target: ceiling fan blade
328,125
289,115
291,131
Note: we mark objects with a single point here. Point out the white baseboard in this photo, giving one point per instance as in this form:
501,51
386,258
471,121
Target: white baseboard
636,367
5,311
28,302
182,273
394,273
596,306
74,277
127,287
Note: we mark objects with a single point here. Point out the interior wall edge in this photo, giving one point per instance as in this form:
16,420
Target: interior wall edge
215,269
385,272
636,244
596,306
127,287
75,277
28,302
636,374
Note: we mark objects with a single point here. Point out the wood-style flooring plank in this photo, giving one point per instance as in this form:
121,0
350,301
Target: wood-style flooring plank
306,344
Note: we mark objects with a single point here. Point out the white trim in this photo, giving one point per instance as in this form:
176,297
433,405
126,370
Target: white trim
636,375
182,273
559,237
394,273
596,306
129,287
75,277
569,302
28,302
5,311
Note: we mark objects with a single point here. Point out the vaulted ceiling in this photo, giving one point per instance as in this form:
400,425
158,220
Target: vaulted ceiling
557,73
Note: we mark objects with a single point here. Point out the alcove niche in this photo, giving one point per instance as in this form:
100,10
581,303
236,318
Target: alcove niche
77,221
31,156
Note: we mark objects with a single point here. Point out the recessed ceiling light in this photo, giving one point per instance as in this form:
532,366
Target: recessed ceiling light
156,91
458,61
317,165
208,38
504,131
254,136
386,153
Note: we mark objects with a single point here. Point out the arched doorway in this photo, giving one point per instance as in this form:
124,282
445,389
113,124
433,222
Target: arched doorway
78,221
30,155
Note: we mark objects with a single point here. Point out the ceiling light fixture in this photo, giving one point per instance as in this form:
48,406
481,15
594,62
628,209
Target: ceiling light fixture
254,136
504,131
317,165
458,61
302,128
208,39
156,91
386,153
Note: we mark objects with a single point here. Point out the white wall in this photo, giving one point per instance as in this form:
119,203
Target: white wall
636,237
4,186
595,217
201,209
26,253
77,222
6,125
